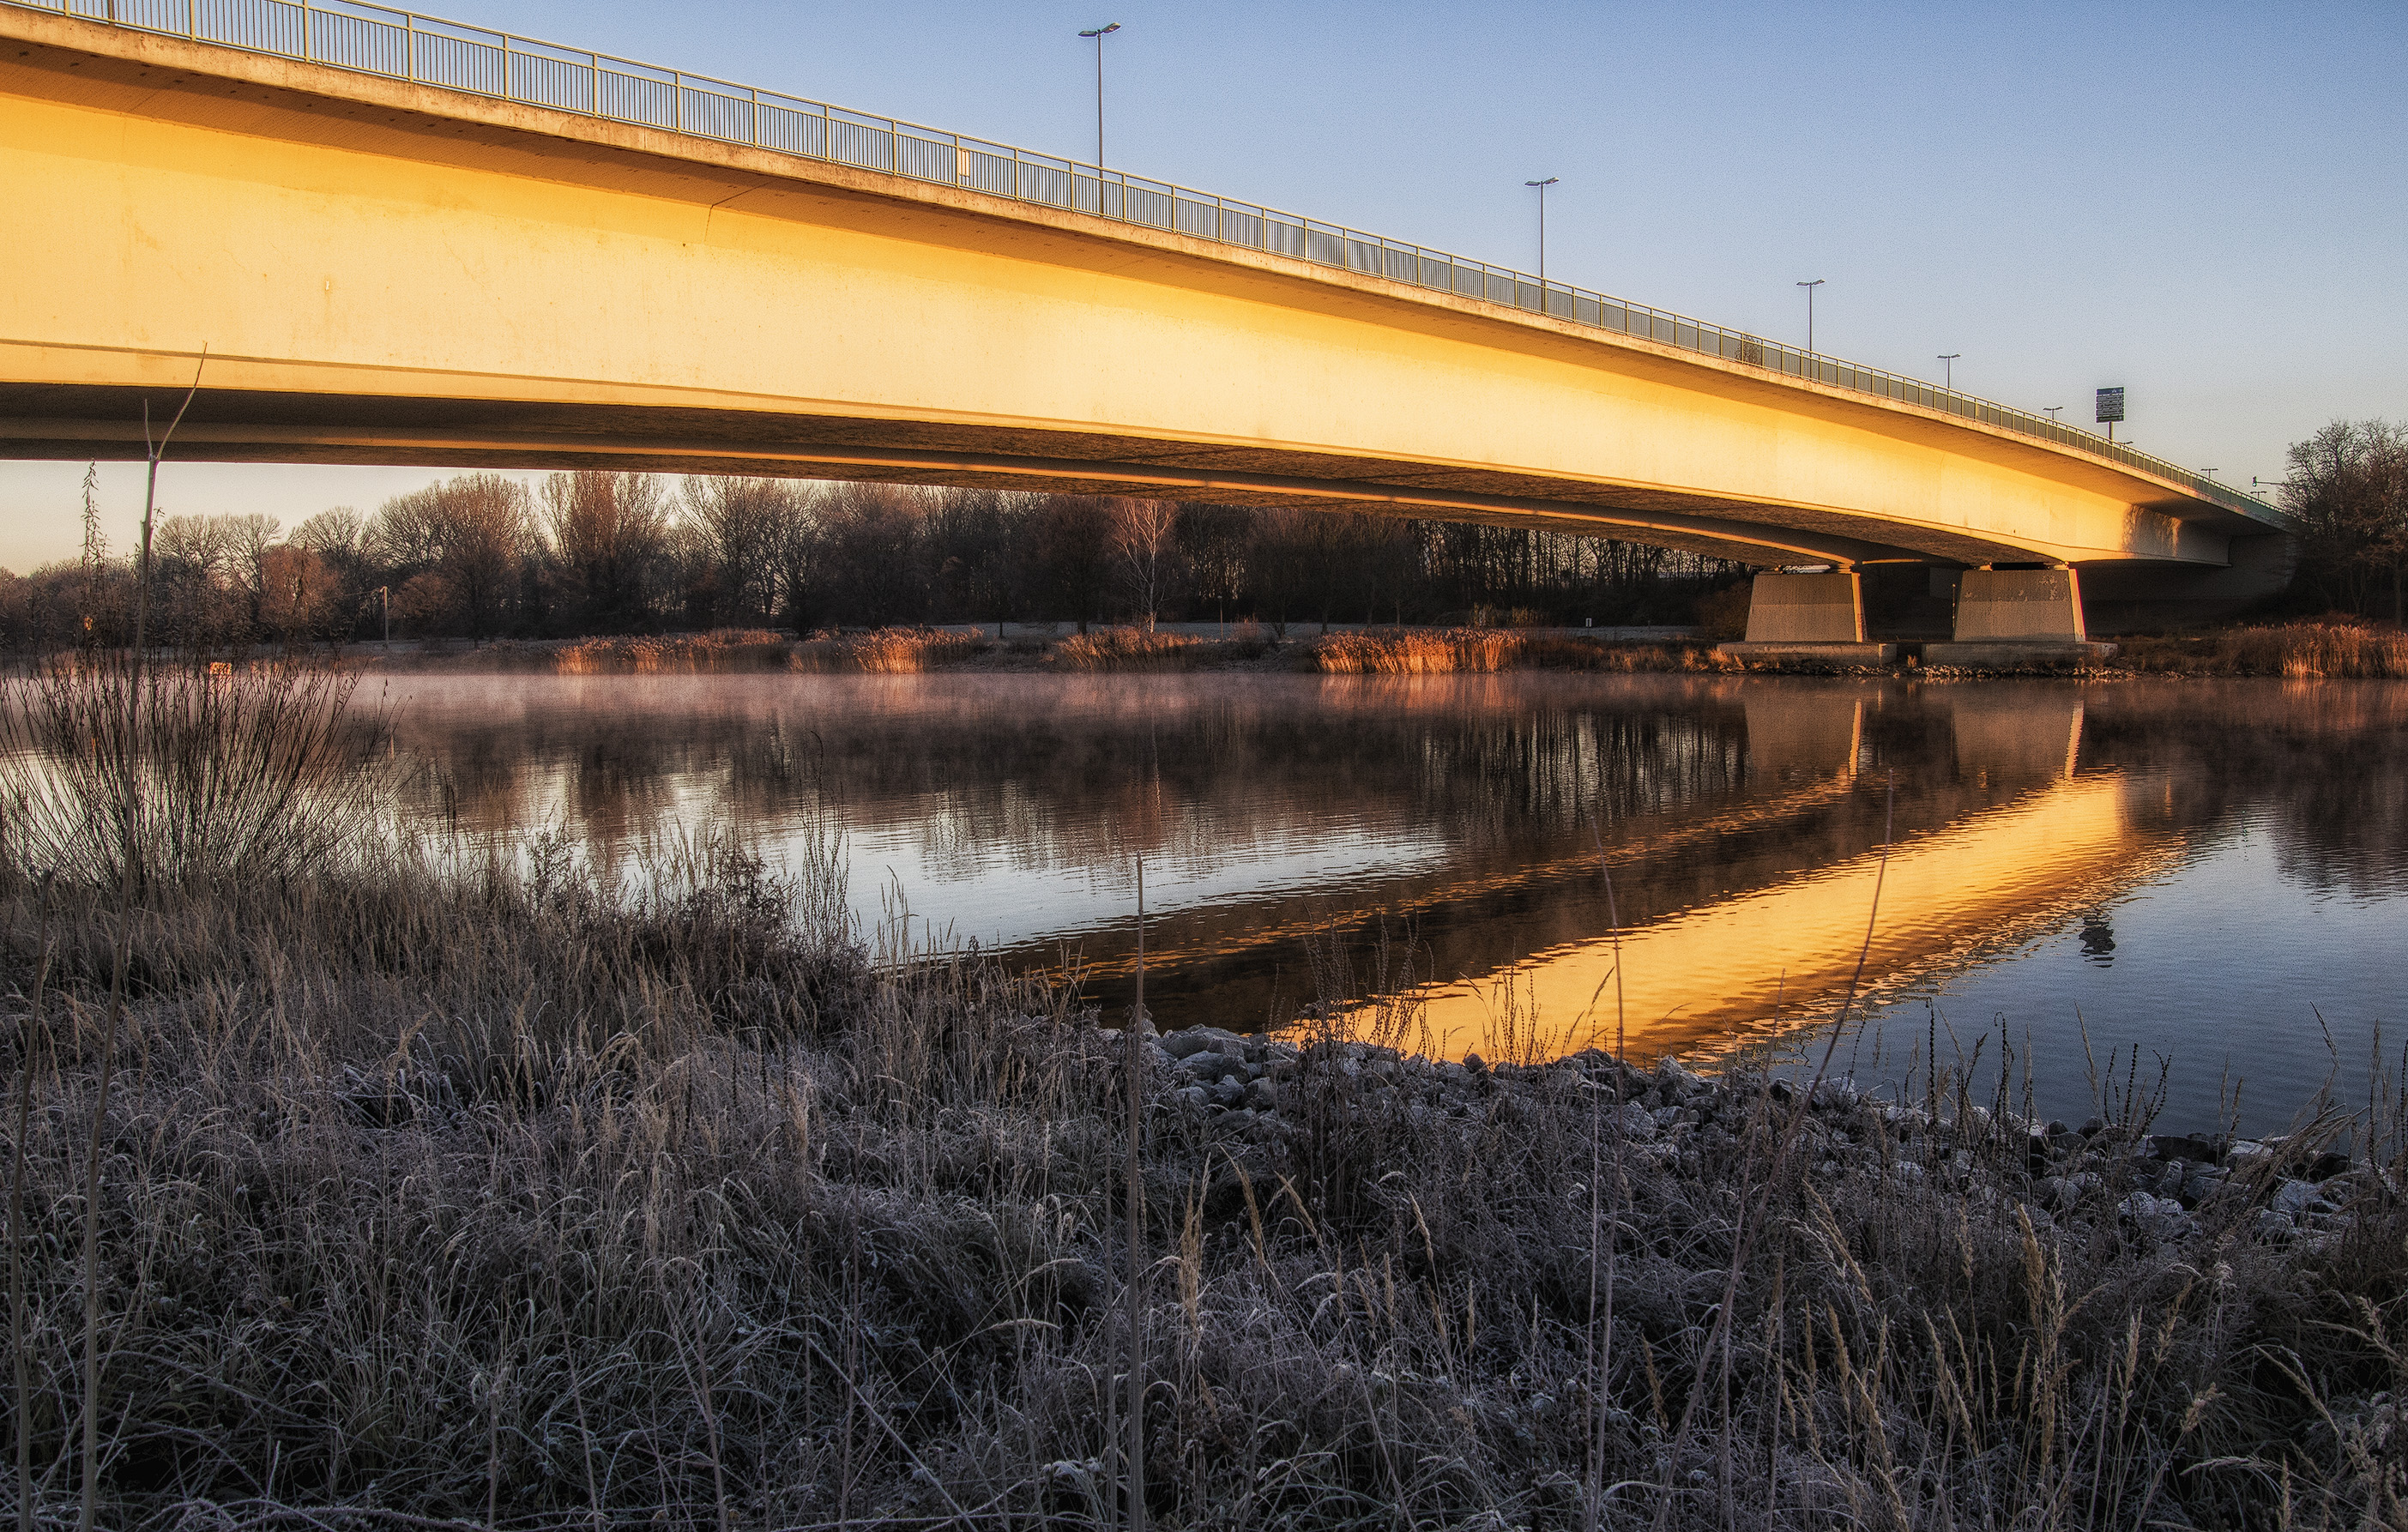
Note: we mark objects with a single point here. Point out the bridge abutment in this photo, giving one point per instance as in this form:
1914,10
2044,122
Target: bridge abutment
1809,617
2018,617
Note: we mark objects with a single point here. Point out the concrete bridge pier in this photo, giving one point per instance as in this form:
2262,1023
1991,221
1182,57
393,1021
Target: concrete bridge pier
1810,617
2008,618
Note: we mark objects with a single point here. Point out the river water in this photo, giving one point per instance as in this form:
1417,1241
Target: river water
2110,885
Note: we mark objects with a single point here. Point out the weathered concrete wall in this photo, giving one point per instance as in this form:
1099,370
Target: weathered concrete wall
1806,609
2008,606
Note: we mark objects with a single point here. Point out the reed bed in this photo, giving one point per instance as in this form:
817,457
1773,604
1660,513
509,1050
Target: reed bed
513,1193
1449,651
2327,649
886,652
1133,649
723,650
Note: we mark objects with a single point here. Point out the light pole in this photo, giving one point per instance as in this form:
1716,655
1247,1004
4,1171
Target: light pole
2050,411
1100,33
1948,370
1542,186
1810,287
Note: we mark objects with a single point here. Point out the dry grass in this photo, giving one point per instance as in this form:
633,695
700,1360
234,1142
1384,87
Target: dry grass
495,1199
516,1194
886,652
1129,648
1448,650
2330,648
721,651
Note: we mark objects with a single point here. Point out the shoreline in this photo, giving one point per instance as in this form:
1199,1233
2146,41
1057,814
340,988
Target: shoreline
2295,650
510,1192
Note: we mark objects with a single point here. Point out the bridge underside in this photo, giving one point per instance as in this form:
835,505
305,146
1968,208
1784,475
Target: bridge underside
390,273
240,427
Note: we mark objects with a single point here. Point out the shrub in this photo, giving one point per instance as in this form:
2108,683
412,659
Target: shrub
248,774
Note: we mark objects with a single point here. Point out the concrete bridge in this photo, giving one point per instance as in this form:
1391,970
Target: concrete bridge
407,241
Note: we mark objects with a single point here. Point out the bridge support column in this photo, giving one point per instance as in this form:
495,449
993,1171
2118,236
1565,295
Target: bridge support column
2011,618
1809,617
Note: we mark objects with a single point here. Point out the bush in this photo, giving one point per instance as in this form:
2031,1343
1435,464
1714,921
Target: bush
254,774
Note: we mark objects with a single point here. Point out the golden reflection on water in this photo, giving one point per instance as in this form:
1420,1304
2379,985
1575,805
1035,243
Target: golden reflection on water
1788,952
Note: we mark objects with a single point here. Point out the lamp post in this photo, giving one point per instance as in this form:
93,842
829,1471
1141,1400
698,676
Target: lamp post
1948,370
1810,287
1100,33
2050,411
1542,186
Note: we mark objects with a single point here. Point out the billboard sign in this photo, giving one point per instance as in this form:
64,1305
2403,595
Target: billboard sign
2111,404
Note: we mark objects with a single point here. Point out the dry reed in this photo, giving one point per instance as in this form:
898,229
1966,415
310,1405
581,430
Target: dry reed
886,652
721,651
1130,649
1449,651
513,1193
2329,649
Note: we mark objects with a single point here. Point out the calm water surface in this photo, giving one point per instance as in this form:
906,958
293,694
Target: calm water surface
2207,878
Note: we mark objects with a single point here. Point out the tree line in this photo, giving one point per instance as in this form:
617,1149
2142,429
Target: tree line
2348,488
483,556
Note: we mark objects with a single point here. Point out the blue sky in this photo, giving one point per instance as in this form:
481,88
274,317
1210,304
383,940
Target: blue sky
2202,203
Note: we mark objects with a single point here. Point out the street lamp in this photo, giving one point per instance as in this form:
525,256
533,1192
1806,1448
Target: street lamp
1810,287
2050,411
1100,33
1948,370
1542,186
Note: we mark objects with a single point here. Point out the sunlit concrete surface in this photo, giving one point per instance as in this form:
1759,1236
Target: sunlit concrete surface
387,272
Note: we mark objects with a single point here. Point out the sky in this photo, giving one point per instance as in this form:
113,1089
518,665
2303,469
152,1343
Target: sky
2200,202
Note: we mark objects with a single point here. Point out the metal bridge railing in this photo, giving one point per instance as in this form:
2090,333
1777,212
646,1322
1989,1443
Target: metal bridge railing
402,45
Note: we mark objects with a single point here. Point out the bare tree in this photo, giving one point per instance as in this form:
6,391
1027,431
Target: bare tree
469,532
2349,489
609,531
741,523
1145,550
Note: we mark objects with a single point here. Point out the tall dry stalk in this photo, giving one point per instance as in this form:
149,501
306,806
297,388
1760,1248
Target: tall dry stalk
1135,1192
19,1343
116,1016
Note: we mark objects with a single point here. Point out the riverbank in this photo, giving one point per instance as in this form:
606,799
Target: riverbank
2331,649
504,1196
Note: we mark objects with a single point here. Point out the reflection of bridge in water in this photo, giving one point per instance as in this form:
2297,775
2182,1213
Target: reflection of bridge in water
1778,939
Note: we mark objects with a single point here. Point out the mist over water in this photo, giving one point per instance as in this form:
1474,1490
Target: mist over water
2214,874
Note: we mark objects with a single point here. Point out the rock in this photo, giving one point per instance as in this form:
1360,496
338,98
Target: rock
2159,1216
1229,1093
2201,1182
2187,1147
2293,1197
1636,1122
1675,1076
1194,1096
1261,1095
2271,1225
2093,1126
